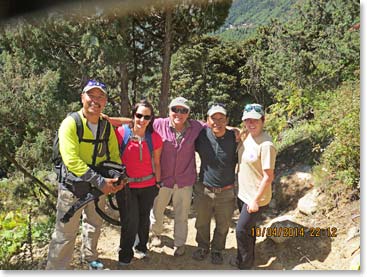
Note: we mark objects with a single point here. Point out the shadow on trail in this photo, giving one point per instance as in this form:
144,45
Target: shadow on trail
292,252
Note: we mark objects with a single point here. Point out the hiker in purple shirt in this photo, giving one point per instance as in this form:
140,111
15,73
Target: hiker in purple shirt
178,165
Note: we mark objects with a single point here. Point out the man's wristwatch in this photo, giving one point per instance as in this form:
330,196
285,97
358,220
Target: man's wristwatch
159,184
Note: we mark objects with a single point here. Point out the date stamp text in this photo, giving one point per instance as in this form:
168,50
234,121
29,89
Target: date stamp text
330,232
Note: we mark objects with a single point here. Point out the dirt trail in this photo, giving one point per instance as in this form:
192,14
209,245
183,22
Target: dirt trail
301,253
297,253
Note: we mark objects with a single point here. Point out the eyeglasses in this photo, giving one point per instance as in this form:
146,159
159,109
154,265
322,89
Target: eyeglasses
95,97
180,110
256,107
146,117
96,83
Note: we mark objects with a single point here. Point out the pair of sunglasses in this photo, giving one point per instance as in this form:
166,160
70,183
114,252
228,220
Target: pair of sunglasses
180,110
256,107
146,117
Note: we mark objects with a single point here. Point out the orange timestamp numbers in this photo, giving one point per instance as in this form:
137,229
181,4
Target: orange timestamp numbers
293,232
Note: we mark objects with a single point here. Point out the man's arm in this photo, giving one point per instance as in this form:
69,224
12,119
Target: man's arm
117,121
236,131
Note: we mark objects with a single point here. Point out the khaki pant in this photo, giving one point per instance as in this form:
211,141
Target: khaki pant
63,239
181,201
218,205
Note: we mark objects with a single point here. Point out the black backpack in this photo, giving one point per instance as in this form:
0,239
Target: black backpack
56,159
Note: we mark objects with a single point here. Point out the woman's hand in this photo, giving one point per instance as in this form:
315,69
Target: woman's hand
253,207
105,116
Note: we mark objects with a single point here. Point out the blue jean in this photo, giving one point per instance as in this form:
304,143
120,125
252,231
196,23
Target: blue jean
245,240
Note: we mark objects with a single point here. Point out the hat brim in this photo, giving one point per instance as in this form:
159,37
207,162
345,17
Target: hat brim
88,88
252,114
179,104
217,109
213,113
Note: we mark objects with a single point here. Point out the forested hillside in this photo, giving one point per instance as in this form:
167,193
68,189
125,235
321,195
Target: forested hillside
305,71
245,16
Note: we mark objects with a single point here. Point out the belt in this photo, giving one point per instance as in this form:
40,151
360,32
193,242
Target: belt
141,179
218,190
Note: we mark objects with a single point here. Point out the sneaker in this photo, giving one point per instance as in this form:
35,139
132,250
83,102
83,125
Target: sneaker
179,250
200,254
217,257
140,254
95,265
155,241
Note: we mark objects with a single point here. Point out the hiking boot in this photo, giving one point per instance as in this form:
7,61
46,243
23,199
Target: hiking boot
155,241
179,250
233,261
95,265
217,257
200,254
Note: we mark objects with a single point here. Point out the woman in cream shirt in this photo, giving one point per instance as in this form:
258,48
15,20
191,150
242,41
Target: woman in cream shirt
256,160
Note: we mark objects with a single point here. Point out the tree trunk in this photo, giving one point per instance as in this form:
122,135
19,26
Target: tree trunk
124,88
165,83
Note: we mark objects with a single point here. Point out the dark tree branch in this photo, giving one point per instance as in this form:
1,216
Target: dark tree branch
25,172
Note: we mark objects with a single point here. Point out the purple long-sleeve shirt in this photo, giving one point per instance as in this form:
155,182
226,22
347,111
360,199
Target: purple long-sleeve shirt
178,160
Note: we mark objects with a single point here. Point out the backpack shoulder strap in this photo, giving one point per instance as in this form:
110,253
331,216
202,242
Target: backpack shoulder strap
148,138
79,125
106,138
125,138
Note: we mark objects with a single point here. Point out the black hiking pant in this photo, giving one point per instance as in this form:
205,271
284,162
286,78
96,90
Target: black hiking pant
245,238
134,207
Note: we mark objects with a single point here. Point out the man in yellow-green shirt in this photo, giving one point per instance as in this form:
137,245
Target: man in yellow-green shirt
77,156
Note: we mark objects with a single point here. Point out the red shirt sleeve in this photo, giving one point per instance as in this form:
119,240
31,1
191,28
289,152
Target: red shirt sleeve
119,134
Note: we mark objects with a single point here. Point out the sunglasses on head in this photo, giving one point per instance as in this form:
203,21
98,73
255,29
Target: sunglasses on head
256,107
146,117
95,83
180,110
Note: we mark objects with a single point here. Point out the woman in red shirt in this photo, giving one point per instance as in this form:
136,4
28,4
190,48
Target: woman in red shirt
141,156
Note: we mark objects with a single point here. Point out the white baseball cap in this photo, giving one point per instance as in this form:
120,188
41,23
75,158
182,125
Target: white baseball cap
216,108
254,111
95,84
179,101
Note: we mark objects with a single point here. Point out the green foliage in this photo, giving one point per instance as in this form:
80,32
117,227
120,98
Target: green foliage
209,70
13,232
30,113
300,132
340,118
14,229
16,203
